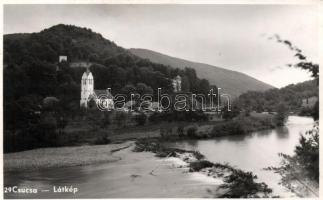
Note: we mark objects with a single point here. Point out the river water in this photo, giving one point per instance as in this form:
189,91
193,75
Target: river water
254,151
143,175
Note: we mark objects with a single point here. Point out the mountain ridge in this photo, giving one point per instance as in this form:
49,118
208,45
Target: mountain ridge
232,82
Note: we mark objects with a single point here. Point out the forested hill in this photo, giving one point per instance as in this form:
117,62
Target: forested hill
75,42
37,53
32,71
290,96
232,82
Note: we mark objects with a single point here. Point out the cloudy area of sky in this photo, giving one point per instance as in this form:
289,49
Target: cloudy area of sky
228,36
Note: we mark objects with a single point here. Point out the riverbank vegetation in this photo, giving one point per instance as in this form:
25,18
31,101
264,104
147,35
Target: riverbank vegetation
97,127
241,124
300,172
237,183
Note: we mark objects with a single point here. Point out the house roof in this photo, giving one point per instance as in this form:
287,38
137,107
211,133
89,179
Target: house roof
103,92
129,104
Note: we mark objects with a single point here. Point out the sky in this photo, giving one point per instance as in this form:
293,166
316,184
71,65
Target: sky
229,36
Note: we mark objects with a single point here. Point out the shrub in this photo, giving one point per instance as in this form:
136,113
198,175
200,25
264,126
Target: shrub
198,165
191,132
241,184
180,131
166,132
280,117
106,120
141,119
121,119
307,152
102,140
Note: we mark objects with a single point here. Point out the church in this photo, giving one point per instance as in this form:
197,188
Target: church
102,98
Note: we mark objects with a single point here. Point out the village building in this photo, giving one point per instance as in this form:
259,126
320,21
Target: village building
177,84
62,58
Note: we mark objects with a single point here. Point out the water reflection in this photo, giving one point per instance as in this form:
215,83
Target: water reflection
263,133
282,132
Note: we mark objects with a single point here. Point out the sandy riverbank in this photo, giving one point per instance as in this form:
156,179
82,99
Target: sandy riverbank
191,162
45,158
132,175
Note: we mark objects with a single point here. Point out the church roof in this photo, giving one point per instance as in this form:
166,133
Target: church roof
103,92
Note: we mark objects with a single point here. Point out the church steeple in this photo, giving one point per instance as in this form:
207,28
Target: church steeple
87,87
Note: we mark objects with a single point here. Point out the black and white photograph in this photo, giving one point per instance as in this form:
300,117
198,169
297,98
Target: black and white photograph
161,100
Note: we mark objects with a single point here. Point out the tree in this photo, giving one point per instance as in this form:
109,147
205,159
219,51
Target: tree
106,120
91,104
61,124
307,152
228,115
128,90
142,89
281,115
203,86
303,63
45,132
93,117
121,118
316,111
50,104
185,84
141,119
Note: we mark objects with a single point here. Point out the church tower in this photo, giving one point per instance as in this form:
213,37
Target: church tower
87,87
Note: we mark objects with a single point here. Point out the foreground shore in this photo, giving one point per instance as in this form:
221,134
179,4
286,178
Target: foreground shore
132,175
231,182
45,158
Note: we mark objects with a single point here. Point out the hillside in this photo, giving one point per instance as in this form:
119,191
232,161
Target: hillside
75,42
232,82
292,96
32,67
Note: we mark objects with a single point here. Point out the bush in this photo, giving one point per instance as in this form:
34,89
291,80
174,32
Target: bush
241,184
106,120
166,132
94,117
191,132
228,128
102,140
141,119
307,152
121,119
198,165
180,131
280,117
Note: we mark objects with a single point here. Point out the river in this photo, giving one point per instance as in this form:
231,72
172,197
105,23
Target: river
254,151
143,175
